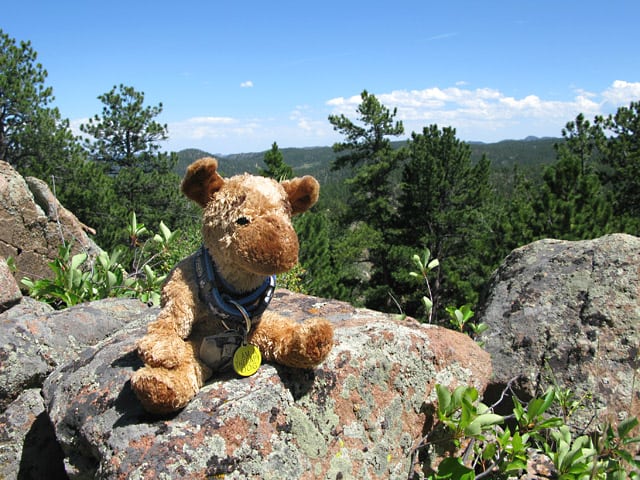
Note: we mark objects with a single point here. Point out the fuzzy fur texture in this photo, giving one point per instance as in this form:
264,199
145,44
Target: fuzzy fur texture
247,231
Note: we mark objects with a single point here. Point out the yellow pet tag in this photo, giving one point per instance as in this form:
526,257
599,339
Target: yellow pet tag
247,360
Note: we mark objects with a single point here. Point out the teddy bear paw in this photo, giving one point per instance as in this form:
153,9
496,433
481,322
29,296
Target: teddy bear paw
159,392
316,341
162,351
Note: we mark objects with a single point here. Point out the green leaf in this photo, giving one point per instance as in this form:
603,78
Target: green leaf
151,275
452,468
444,399
112,280
78,260
166,233
489,451
428,304
482,421
626,426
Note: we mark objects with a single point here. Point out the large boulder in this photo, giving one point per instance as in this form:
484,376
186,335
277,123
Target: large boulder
28,446
33,224
569,313
35,339
358,415
9,291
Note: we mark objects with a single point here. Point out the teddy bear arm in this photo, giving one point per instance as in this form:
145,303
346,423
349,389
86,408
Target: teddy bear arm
179,300
298,345
165,342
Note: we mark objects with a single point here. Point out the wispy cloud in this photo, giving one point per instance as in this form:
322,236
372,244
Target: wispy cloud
247,84
443,36
485,114
621,92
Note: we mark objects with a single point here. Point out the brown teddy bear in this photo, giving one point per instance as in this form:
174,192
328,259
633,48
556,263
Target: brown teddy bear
213,302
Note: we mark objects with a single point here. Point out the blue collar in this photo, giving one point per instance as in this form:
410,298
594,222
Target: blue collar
241,309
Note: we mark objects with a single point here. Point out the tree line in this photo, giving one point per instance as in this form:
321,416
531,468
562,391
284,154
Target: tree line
393,200
430,194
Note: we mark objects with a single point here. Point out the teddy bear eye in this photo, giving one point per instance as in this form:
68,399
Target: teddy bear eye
242,221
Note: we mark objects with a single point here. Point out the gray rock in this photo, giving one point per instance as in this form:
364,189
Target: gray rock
28,447
358,415
33,224
34,339
569,312
9,291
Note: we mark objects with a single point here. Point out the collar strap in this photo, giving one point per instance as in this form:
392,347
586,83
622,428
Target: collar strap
240,309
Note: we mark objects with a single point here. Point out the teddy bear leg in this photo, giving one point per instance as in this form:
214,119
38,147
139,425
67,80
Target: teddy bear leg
298,345
164,390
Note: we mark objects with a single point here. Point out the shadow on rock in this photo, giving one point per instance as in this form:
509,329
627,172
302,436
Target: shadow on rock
42,456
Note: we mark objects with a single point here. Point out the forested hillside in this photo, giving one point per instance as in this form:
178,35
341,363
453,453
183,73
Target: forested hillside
530,152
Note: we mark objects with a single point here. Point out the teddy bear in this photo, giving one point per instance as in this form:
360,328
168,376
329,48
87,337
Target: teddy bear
213,314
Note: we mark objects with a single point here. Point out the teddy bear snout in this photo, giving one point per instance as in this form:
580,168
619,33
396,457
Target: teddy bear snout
270,244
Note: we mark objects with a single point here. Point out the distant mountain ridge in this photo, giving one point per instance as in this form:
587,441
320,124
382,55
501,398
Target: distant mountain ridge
528,152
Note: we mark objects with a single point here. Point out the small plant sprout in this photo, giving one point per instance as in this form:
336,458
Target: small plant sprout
460,318
424,266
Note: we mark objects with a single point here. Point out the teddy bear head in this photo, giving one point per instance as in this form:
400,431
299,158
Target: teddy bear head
247,219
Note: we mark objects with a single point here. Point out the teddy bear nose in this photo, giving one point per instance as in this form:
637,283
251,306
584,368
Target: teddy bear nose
272,245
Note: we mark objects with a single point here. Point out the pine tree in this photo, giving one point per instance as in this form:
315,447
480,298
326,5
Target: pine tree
37,141
621,156
125,139
572,204
368,151
443,207
276,167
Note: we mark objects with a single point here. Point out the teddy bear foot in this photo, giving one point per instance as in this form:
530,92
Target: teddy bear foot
162,391
314,342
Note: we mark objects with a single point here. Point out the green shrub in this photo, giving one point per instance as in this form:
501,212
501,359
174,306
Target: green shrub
495,446
80,278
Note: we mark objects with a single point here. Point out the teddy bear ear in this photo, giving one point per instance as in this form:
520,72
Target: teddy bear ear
202,180
302,192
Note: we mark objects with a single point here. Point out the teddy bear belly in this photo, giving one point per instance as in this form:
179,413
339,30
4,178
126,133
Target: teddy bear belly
216,345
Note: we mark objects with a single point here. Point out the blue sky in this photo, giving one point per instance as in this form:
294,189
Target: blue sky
237,76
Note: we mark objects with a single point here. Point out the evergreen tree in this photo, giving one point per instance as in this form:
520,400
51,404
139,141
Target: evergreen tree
315,252
33,136
443,206
572,204
368,151
125,138
621,157
276,167
514,215
125,131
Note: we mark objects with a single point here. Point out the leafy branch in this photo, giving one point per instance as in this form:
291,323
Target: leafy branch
495,446
80,278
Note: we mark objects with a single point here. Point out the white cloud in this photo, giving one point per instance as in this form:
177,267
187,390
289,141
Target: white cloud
485,114
304,119
622,93
74,125
490,115
195,130
247,84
